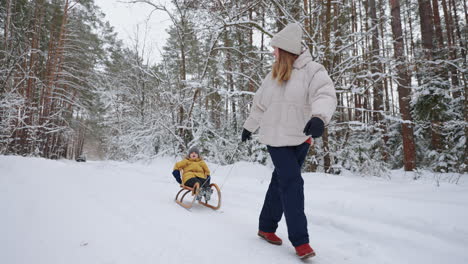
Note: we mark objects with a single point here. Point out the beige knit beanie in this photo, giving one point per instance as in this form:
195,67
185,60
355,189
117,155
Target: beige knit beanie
289,39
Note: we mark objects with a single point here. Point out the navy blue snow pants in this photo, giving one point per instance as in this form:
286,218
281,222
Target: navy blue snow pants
286,194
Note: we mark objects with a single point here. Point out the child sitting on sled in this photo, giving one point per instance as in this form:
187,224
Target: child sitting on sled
194,170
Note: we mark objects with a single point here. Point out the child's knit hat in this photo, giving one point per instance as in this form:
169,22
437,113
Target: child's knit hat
194,149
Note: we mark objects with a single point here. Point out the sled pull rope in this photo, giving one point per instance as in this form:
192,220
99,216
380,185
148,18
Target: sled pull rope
219,165
232,166
207,178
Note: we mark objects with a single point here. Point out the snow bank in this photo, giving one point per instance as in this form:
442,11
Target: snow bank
117,212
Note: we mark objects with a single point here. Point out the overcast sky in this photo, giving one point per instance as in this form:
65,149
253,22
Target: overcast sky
126,17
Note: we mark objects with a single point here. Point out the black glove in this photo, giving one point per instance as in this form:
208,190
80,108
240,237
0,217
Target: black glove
176,174
246,135
314,127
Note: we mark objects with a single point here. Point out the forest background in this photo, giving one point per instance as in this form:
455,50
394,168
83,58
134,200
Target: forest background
69,86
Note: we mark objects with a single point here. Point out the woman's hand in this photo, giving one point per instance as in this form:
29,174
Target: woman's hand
246,135
314,127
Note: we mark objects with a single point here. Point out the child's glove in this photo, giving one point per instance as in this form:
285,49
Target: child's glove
176,174
314,127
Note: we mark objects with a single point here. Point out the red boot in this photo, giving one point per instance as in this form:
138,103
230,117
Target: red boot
305,251
270,237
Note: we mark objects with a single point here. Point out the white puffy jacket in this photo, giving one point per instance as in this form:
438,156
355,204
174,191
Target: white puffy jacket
282,110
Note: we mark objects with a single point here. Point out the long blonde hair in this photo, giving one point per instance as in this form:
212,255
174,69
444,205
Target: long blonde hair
283,65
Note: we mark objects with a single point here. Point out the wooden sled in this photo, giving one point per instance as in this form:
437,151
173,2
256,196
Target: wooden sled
198,195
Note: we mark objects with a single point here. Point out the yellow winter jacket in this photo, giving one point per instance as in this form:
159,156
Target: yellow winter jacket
192,168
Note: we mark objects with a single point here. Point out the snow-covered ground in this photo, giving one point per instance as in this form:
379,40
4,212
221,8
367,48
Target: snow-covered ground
63,212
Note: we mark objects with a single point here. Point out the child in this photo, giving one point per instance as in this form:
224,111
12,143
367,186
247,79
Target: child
194,170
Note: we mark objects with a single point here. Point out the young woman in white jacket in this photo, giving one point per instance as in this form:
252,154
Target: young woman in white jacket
294,103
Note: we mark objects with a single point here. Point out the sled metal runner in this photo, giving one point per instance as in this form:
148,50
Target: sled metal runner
198,195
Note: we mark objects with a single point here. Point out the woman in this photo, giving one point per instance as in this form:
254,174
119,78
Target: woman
295,101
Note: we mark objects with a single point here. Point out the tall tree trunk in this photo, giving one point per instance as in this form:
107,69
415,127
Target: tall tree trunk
307,16
6,30
53,69
442,72
32,73
427,35
376,65
387,94
230,80
311,166
427,30
448,23
410,24
342,112
376,69
354,28
183,78
262,41
463,44
364,48
465,86
466,122
451,50
404,88
463,49
465,8
438,26
327,63
327,32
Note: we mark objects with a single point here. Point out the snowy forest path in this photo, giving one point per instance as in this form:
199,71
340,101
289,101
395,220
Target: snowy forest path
117,212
